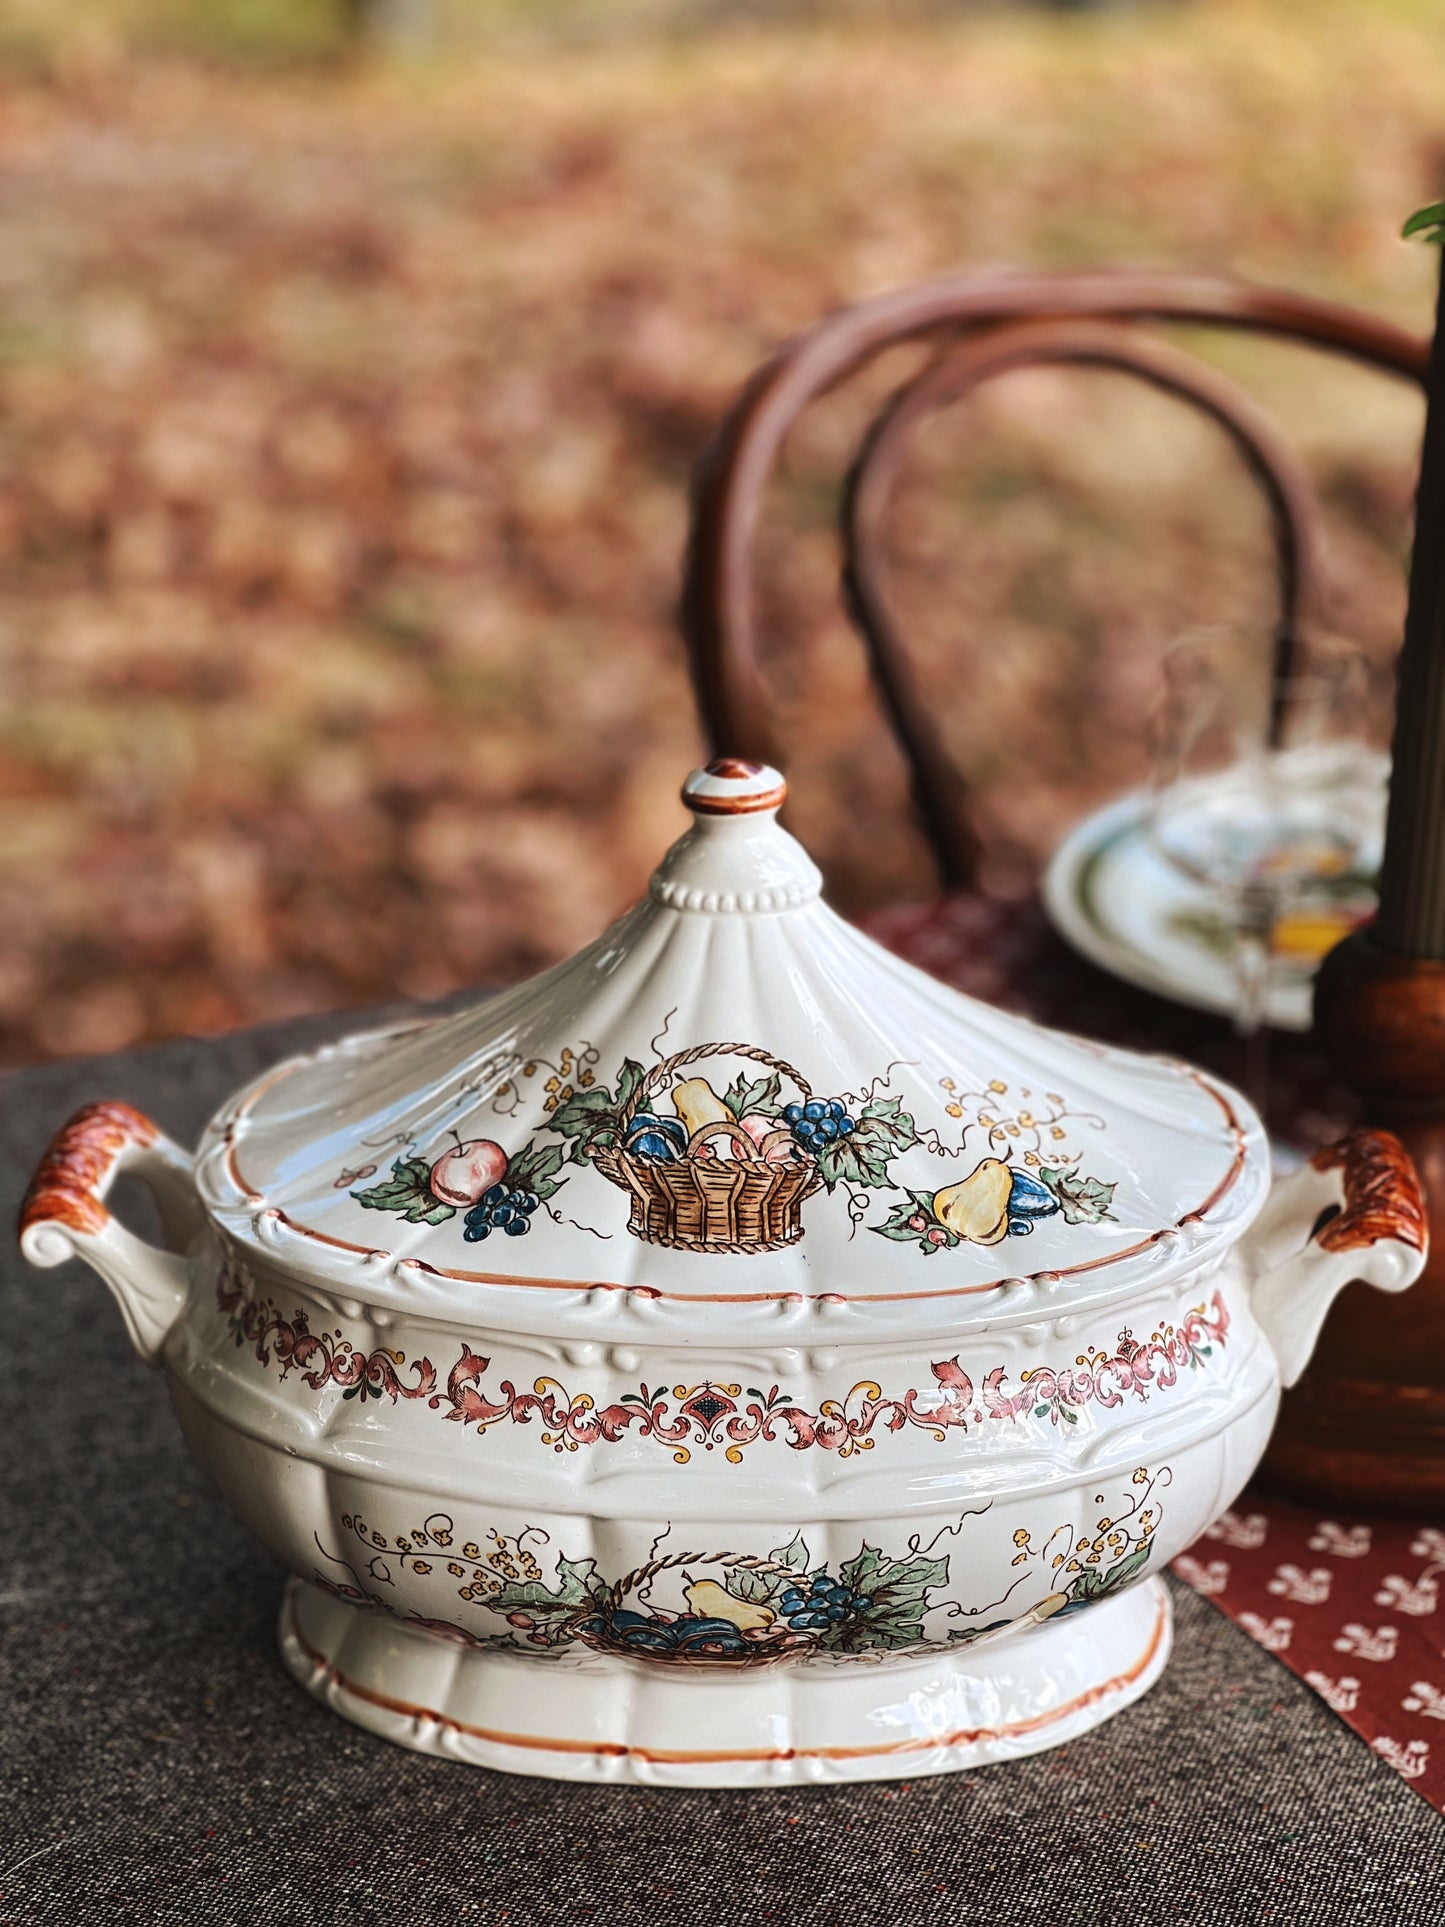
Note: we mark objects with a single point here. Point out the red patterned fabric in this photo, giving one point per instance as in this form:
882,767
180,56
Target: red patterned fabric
1352,1607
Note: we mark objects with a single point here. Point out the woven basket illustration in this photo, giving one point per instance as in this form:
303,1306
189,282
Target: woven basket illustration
740,1203
678,1639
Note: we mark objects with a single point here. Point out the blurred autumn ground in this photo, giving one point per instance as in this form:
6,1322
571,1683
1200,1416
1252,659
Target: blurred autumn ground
347,406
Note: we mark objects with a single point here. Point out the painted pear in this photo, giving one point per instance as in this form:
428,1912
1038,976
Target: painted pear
976,1207
698,1104
709,1600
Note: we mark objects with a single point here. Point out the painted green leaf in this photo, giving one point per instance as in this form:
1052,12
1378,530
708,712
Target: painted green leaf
1094,1582
429,1210
408,1176
1088,1585
919,1571
836,1163
1124,1571
579,1580
552,1608
408,1192
580,1116
858,1572
853,1160
531,1595
755,1587
898,1589
596,1114
873,1166
1082,1200
629,1082
535,1168
899,1233
880,1627
385,1197
897,1227
749,1096
794,1555
884,1120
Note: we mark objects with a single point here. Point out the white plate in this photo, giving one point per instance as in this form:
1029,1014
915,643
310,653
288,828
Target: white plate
1124,907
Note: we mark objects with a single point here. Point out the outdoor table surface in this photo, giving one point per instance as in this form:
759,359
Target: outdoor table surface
157,1764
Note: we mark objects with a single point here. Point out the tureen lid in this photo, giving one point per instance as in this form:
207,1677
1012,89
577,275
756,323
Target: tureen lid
733,1106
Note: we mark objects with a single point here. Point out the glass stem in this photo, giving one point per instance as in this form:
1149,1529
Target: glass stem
1253,955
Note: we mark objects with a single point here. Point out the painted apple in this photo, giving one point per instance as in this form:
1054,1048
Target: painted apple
460,1177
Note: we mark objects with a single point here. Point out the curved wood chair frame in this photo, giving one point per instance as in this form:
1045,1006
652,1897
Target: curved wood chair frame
1294,520
986,325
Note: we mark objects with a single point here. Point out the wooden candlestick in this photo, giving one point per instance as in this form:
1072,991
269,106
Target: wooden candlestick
1365,1426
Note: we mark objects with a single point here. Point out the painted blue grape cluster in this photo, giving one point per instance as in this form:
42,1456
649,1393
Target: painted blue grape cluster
504,1209
822,1602
818,1123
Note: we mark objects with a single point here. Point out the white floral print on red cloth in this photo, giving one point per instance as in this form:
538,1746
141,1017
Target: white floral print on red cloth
1365,1619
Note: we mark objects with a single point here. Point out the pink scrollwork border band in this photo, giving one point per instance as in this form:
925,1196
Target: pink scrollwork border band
722,1415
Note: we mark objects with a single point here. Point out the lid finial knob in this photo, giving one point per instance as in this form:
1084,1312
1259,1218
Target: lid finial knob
732,786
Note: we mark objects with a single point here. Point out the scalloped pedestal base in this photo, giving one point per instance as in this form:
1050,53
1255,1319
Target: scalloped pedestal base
605,1719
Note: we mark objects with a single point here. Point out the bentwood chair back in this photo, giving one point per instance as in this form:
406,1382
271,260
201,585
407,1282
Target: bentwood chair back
980,327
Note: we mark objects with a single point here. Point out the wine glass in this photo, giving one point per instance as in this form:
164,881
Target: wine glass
1269,785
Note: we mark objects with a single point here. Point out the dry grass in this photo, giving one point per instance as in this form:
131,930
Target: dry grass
345,417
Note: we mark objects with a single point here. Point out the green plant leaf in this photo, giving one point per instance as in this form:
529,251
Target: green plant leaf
794,1555
1082,1200
884,1120
899,1590
847,1161
896,1225
1428,222
535,1168
880,1627
629,1083
883,1129
755,1587
408,1192
579,1580
1088,1585
596,1114
552,1608
429,1210
749,1096
580,1116
837,1163
857,1573
1124,1571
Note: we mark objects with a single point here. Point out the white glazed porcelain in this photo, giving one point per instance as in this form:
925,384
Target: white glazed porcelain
617,1422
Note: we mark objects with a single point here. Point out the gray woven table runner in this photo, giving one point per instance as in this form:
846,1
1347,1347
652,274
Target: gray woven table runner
157,1765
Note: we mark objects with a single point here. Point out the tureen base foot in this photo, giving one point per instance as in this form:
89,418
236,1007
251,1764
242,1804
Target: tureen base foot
616,1719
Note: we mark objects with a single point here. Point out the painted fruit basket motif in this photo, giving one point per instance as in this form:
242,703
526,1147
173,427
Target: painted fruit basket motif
683,1193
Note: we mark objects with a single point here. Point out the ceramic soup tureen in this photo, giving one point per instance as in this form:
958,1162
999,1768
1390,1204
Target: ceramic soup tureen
731,1358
